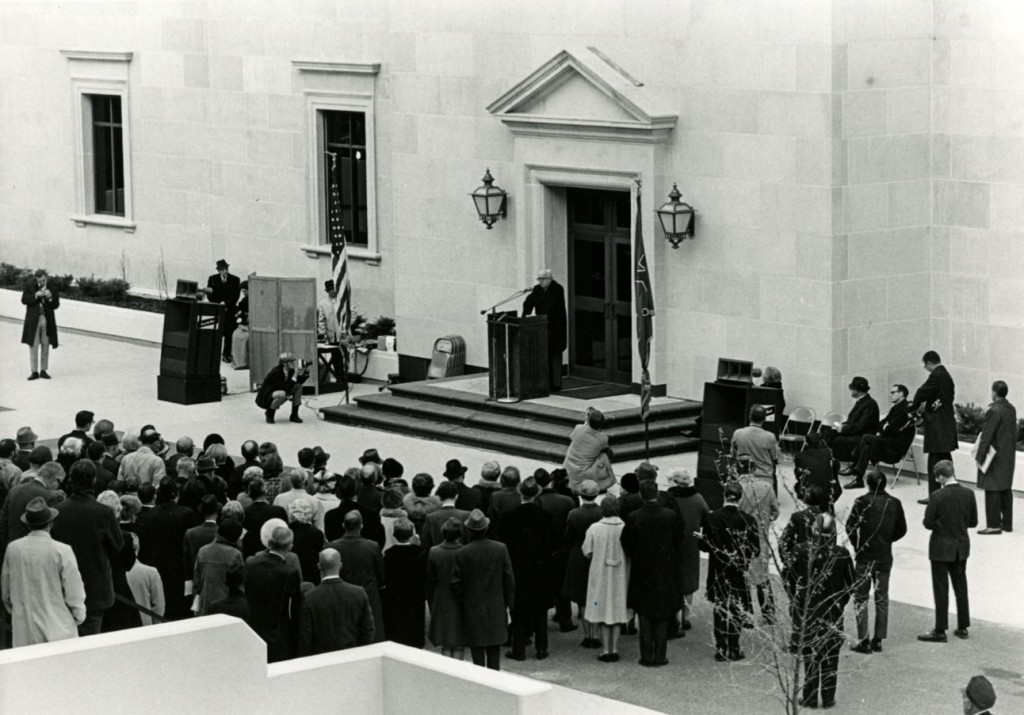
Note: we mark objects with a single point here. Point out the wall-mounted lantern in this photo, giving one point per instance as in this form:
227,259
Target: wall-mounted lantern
491,201
676,218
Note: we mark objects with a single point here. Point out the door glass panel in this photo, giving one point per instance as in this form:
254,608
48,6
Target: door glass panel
622,214
590,342
624,340
589,270
587,207
623,273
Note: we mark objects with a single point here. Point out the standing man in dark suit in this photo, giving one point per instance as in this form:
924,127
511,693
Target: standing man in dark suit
731,540
934,401
405,591
362,564
335,615
999,433
528,533
40,329
895,433
557,507
91,530
875,522
862,420
468,498
548,298
273,590
951,512
226,289
653,540
162,544
483,582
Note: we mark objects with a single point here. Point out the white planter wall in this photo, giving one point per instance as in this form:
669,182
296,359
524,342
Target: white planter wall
93,318
964,464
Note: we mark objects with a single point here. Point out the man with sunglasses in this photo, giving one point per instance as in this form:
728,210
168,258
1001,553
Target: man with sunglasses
890,444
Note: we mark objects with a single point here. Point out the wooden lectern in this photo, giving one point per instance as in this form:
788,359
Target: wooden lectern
517,356
190,354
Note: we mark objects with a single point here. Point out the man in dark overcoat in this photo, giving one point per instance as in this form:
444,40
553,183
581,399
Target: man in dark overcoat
934,402
226,289
653,540
557,507
862,420
951,512
282,383
273,591
335,615
483,582
529,534
162,546
998,434
91,530
731,541
548,298
40,329
362,564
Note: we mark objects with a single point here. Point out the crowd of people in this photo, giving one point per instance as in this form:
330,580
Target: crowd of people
123,530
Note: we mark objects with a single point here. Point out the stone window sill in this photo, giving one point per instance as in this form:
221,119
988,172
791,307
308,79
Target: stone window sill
103,220
372,258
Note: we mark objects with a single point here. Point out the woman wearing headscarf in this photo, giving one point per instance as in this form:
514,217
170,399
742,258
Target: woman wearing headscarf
694,510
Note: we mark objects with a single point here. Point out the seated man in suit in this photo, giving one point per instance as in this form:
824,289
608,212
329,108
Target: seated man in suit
863,419
895,433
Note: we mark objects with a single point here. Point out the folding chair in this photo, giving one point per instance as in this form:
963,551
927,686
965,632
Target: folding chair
799,416
913,460
830,419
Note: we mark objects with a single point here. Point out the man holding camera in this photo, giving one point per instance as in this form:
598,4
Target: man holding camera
40,331
282,383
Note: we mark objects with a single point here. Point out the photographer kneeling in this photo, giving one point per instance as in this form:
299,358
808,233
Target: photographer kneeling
281,384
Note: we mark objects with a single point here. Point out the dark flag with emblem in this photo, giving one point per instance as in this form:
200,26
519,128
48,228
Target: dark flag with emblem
644,312
339,256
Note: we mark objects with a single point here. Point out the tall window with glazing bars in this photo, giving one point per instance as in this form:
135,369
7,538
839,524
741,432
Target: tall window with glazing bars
345,137
108,154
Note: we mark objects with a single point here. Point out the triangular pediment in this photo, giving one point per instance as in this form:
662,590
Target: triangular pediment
582,93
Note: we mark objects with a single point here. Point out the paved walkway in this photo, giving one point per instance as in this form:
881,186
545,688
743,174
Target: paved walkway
117,380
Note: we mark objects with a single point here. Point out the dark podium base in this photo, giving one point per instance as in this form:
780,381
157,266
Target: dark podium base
188,391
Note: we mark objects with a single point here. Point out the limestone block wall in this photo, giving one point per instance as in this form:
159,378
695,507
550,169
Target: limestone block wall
978,194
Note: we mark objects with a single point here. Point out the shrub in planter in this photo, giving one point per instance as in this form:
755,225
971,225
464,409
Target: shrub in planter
15,278
115,289
969,420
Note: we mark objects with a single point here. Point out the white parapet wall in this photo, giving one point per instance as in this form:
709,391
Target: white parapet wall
218,662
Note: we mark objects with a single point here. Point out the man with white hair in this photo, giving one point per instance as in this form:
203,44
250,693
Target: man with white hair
273,591
548,298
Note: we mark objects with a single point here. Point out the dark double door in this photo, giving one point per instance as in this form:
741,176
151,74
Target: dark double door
600,285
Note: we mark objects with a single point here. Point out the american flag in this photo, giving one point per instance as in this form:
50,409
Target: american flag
339,256
644,313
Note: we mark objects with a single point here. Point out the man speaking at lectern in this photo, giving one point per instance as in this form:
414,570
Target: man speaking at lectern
548,298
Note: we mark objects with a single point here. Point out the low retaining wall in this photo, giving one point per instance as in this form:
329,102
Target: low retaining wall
104,320
218,660
964,464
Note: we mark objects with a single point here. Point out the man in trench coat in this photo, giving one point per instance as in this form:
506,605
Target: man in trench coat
40,329
934,400
999,433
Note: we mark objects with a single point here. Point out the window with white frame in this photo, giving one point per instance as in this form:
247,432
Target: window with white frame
99,83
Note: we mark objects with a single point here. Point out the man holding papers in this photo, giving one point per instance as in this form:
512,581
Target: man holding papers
995,471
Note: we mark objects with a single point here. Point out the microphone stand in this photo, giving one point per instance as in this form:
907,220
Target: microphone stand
508,398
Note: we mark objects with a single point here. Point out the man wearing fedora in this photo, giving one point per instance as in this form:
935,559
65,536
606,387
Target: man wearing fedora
26,440
40,329
41,585
226,289
483,582
468,498
863,419
282,383
979,696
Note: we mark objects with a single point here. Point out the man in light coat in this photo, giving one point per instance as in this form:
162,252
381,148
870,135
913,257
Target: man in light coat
41,586
999,435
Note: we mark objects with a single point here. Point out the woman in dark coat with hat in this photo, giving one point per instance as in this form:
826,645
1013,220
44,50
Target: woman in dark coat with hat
695,511
446,629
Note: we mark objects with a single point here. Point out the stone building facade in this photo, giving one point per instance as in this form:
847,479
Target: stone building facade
857,166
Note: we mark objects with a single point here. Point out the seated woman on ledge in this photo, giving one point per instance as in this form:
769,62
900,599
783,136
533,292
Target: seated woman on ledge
589,456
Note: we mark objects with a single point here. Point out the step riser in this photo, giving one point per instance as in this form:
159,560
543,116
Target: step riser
532,428
629,452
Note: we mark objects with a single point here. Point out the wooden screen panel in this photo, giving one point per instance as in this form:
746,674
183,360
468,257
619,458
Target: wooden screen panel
297,322
264,341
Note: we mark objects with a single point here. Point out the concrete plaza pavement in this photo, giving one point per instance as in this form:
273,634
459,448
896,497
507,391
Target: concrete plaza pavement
117,380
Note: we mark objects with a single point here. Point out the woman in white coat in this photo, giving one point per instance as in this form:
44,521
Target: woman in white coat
608,579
